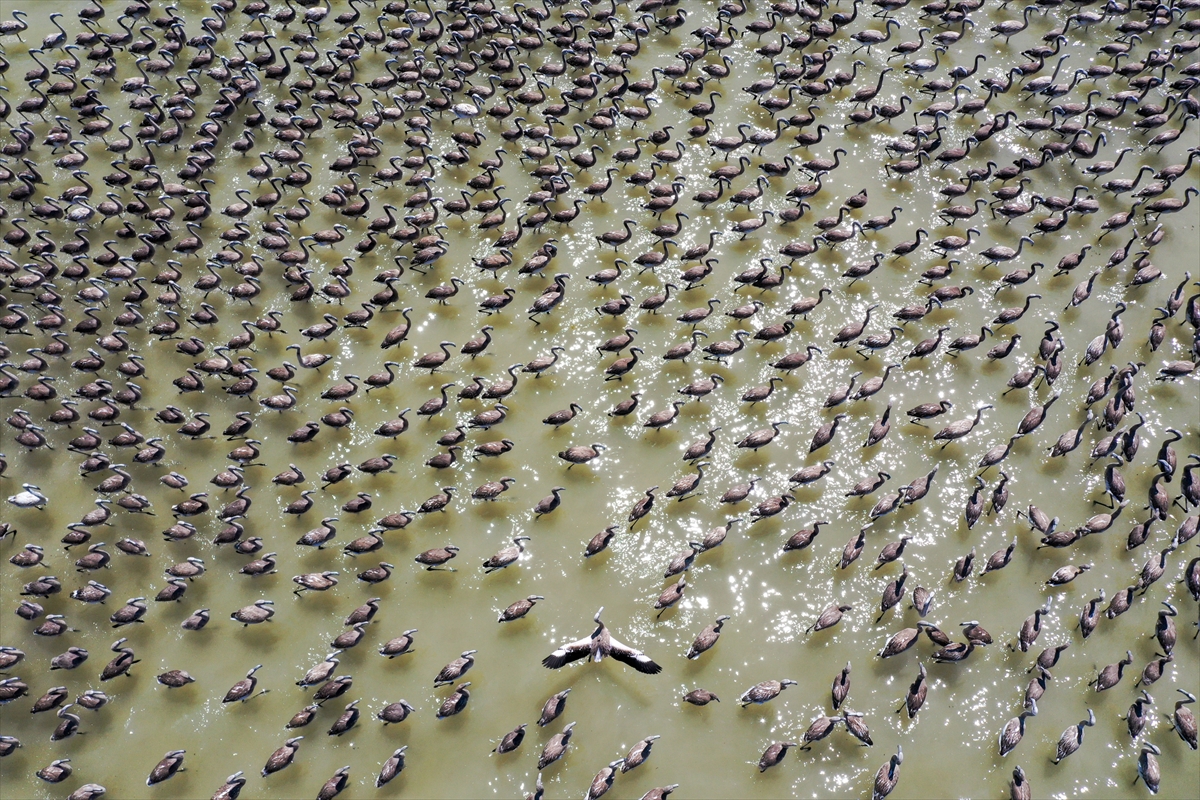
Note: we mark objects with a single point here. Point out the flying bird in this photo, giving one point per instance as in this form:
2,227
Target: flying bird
596,647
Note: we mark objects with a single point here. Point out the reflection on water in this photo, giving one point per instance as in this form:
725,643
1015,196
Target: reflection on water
772,597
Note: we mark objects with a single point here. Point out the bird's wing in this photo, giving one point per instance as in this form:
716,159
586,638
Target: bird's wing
572,651
634,658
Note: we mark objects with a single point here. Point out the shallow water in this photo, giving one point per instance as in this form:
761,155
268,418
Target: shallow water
949,749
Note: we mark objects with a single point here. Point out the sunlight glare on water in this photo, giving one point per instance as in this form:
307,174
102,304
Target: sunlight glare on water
772,597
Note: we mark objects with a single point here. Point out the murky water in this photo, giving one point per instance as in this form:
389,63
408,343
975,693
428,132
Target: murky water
949,749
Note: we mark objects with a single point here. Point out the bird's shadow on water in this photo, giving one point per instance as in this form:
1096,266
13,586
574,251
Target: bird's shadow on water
258,638
494,510
288,782
798,561
96,724
663,439
1053,467
177,700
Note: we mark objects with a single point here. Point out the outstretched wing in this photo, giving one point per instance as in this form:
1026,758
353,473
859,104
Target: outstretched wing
564,655
634,658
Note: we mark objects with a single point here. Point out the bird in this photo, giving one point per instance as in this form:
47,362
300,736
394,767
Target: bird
765,691
596,647
170,764
773,755
556,747
30,497
505,556
888,776
638,753
511,740
1014,729
395,712
519,609
553,707
283,756
392,767
243,690
1072,737
455,669
604,780
1148,770
707,638
1183,720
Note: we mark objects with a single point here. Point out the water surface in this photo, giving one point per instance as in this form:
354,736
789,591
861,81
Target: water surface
950,749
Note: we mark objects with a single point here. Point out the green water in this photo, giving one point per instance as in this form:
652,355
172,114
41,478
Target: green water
949,749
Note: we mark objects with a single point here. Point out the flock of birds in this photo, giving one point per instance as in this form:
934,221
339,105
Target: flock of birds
124,261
